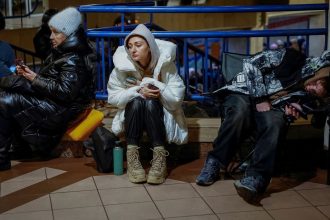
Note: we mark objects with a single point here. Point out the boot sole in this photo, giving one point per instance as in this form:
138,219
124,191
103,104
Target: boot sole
137,179
156,180
247,194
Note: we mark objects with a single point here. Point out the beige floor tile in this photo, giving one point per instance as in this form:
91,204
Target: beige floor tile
28,179
285,199
305,213
219,188
317,196
170,181
197,217
86,213
75,199
173,191
41,204
255,215
325,210
39,174
124,195
8,187
310,185
183,207
50,172
44,215
232,203
14,163
136,211
112,181
86,184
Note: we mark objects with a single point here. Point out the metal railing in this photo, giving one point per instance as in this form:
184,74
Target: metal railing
209,69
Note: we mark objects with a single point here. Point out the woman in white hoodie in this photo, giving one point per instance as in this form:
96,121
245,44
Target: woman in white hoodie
148,92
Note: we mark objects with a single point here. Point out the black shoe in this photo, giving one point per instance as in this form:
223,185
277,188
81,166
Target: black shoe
5,166
250,188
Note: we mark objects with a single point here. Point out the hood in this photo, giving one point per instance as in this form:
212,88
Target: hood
143,31
316,67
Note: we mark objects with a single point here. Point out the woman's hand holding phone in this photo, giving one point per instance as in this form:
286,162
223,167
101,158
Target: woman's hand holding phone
24,70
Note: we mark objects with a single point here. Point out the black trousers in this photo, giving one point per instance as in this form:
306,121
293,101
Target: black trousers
145,114
239,118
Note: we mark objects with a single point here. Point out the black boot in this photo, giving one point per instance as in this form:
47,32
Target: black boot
4,154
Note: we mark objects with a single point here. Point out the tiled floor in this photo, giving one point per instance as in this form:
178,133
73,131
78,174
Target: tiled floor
66,188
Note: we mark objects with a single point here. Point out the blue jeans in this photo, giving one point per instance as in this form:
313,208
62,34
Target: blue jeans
239,120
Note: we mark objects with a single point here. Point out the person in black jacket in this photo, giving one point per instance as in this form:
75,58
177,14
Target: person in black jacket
40,106
252,103
41,40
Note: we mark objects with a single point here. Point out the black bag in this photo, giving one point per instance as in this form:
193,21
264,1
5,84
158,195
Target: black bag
103,143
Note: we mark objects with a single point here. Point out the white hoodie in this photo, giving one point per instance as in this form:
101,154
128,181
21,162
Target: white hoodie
165,77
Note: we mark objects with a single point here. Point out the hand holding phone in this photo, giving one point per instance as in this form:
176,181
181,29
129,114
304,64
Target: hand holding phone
19,62
152,87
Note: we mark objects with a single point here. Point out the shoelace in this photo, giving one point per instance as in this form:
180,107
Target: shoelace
157,161
133,157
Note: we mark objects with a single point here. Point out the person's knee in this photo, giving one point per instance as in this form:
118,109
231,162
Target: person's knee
152,105
136,104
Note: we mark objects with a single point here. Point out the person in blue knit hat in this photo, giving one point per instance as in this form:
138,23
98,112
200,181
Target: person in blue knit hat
39,107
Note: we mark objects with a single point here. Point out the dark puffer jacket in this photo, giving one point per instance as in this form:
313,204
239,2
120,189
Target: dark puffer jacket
42,109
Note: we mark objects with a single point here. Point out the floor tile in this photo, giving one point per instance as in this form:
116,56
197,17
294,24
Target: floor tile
86,213
44,215
171,181
310,185
75,199
40,204
232,203
86,184
28,179
136,211
254,215
286,199
317,196
50,172
8,187
197,217
305,213
39,174
173,191
112,181
223,187
124,195
325,210
183,207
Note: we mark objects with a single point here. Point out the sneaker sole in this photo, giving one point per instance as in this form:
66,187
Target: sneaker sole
247,194
200,183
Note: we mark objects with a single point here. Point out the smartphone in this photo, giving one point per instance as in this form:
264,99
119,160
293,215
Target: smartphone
20,62
299,109
153,87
